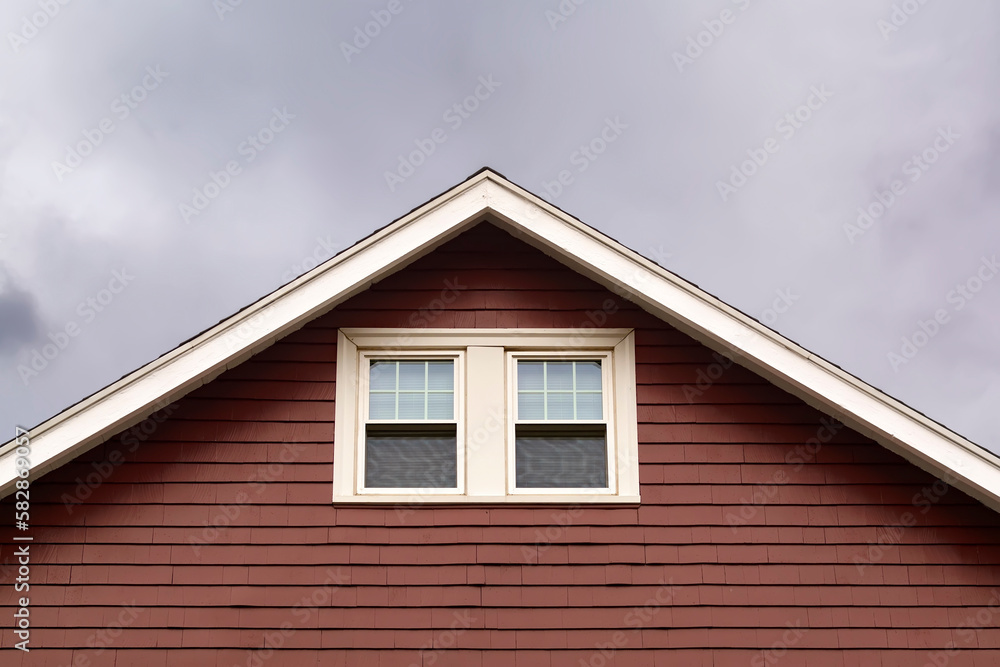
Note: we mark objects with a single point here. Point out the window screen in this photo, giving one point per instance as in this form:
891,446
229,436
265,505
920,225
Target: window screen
410,459
561,459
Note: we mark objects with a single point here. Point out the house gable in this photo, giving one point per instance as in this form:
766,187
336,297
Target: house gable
488,195
213,531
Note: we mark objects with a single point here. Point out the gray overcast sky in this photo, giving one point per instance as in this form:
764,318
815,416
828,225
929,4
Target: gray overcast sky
732,141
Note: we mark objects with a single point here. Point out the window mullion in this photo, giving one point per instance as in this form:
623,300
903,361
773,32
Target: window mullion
572,396
395,398
545,390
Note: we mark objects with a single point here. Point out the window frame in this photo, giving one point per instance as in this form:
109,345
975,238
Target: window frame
485,395
365,357
606,358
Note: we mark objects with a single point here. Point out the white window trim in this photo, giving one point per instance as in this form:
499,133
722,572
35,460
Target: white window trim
487,406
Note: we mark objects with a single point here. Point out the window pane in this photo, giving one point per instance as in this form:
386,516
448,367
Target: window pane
531,406
561,459
588,375
588,406
382,375
411,459
559,390
441,375
412,390
411,406
559,405
441,405
412,374
382,406
529,375
559,375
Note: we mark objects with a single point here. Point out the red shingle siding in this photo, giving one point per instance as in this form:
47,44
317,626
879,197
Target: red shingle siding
750,547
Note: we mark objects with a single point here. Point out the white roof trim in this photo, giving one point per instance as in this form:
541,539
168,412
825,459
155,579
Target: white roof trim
860,406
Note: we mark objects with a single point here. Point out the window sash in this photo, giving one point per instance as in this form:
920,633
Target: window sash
423,393
381,426
576,390
558,457
515,423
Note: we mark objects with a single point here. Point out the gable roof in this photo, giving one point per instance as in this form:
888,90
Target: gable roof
489,196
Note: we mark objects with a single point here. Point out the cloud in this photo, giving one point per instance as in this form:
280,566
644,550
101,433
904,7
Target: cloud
20,321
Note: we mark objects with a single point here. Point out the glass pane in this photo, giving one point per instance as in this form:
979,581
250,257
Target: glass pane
399,389
411,459
382,406
441,405
411,374
559,375
570,390
441,375
529,374
411,405
382,375
588,375
588,406
560,406
560,460
531,406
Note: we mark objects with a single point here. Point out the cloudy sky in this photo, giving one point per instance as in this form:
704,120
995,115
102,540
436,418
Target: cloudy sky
167,163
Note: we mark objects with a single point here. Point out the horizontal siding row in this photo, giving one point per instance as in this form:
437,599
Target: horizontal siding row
206,535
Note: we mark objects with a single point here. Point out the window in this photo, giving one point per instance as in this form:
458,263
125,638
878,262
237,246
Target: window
485,415
411,437
560,431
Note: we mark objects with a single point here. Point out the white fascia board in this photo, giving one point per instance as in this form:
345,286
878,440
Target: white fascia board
133,398
824,386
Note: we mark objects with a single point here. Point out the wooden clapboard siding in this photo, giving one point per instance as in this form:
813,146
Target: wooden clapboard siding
210,525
